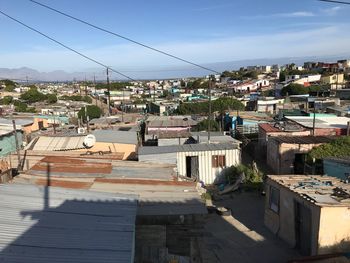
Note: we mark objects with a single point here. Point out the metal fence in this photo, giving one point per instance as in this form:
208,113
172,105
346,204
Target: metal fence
248,129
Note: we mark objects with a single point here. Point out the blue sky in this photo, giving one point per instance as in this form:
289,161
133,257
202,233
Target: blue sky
203,31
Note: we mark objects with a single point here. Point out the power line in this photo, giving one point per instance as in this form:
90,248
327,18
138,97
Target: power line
336,2
65,46
125,38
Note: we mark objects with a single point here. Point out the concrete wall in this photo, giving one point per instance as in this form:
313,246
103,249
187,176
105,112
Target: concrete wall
282,223
35,125
207,173
334,233
264,136
280,157
272,156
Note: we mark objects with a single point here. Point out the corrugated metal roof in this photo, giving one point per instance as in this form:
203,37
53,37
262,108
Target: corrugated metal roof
19,122
215,137
321,122
115,136
78,226
48,143
303,139
322,190
172,121
185,148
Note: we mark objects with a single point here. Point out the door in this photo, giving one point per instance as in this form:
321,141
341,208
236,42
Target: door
299,163
303,228
192,167
40,124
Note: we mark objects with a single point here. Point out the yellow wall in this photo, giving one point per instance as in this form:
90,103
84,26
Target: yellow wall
35,125
334,233
282,224
333,79
129,150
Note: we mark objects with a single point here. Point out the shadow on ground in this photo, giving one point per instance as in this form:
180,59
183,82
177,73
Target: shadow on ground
243,237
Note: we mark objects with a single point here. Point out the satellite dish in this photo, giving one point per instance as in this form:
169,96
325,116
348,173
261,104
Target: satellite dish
89,141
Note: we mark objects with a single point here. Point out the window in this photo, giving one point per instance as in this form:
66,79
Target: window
218,161
274,199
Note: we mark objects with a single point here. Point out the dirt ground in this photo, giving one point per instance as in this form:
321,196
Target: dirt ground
242,237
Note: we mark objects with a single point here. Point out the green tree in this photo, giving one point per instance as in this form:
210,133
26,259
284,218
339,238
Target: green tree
9,88
113,85
51,98
9,85
294,89
251,75
22,107
77,98
33,95
92,111
221,105
282,76
203,125
340,147
7,100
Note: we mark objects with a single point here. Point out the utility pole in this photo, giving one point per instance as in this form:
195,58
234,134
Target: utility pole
87,120
54,122
109,94
95,90
17,145
209,117
85,86
314,122
122,108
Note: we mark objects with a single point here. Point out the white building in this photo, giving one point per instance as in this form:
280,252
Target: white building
201,162
250,86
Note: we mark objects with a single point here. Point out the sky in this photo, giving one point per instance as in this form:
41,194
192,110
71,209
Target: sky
202,31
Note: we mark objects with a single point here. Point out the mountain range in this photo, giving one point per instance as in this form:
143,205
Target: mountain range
24,74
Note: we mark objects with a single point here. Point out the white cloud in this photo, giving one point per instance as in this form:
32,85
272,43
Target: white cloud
296,14
279,15
331,11
317,42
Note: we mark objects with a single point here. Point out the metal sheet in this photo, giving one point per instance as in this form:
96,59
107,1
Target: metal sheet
62,225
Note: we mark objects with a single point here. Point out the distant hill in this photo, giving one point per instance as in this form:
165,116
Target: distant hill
20,74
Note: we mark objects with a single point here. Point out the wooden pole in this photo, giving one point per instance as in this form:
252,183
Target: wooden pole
17,145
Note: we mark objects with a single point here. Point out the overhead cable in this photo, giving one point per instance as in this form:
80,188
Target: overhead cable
124,37
65,46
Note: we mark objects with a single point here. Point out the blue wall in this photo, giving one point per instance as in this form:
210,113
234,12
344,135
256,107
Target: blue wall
8,143
336,168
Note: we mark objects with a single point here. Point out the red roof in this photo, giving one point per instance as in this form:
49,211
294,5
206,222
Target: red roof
267,127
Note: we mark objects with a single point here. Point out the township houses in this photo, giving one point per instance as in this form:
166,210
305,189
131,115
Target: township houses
287,154
269,130
310,213
325,125
249,86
